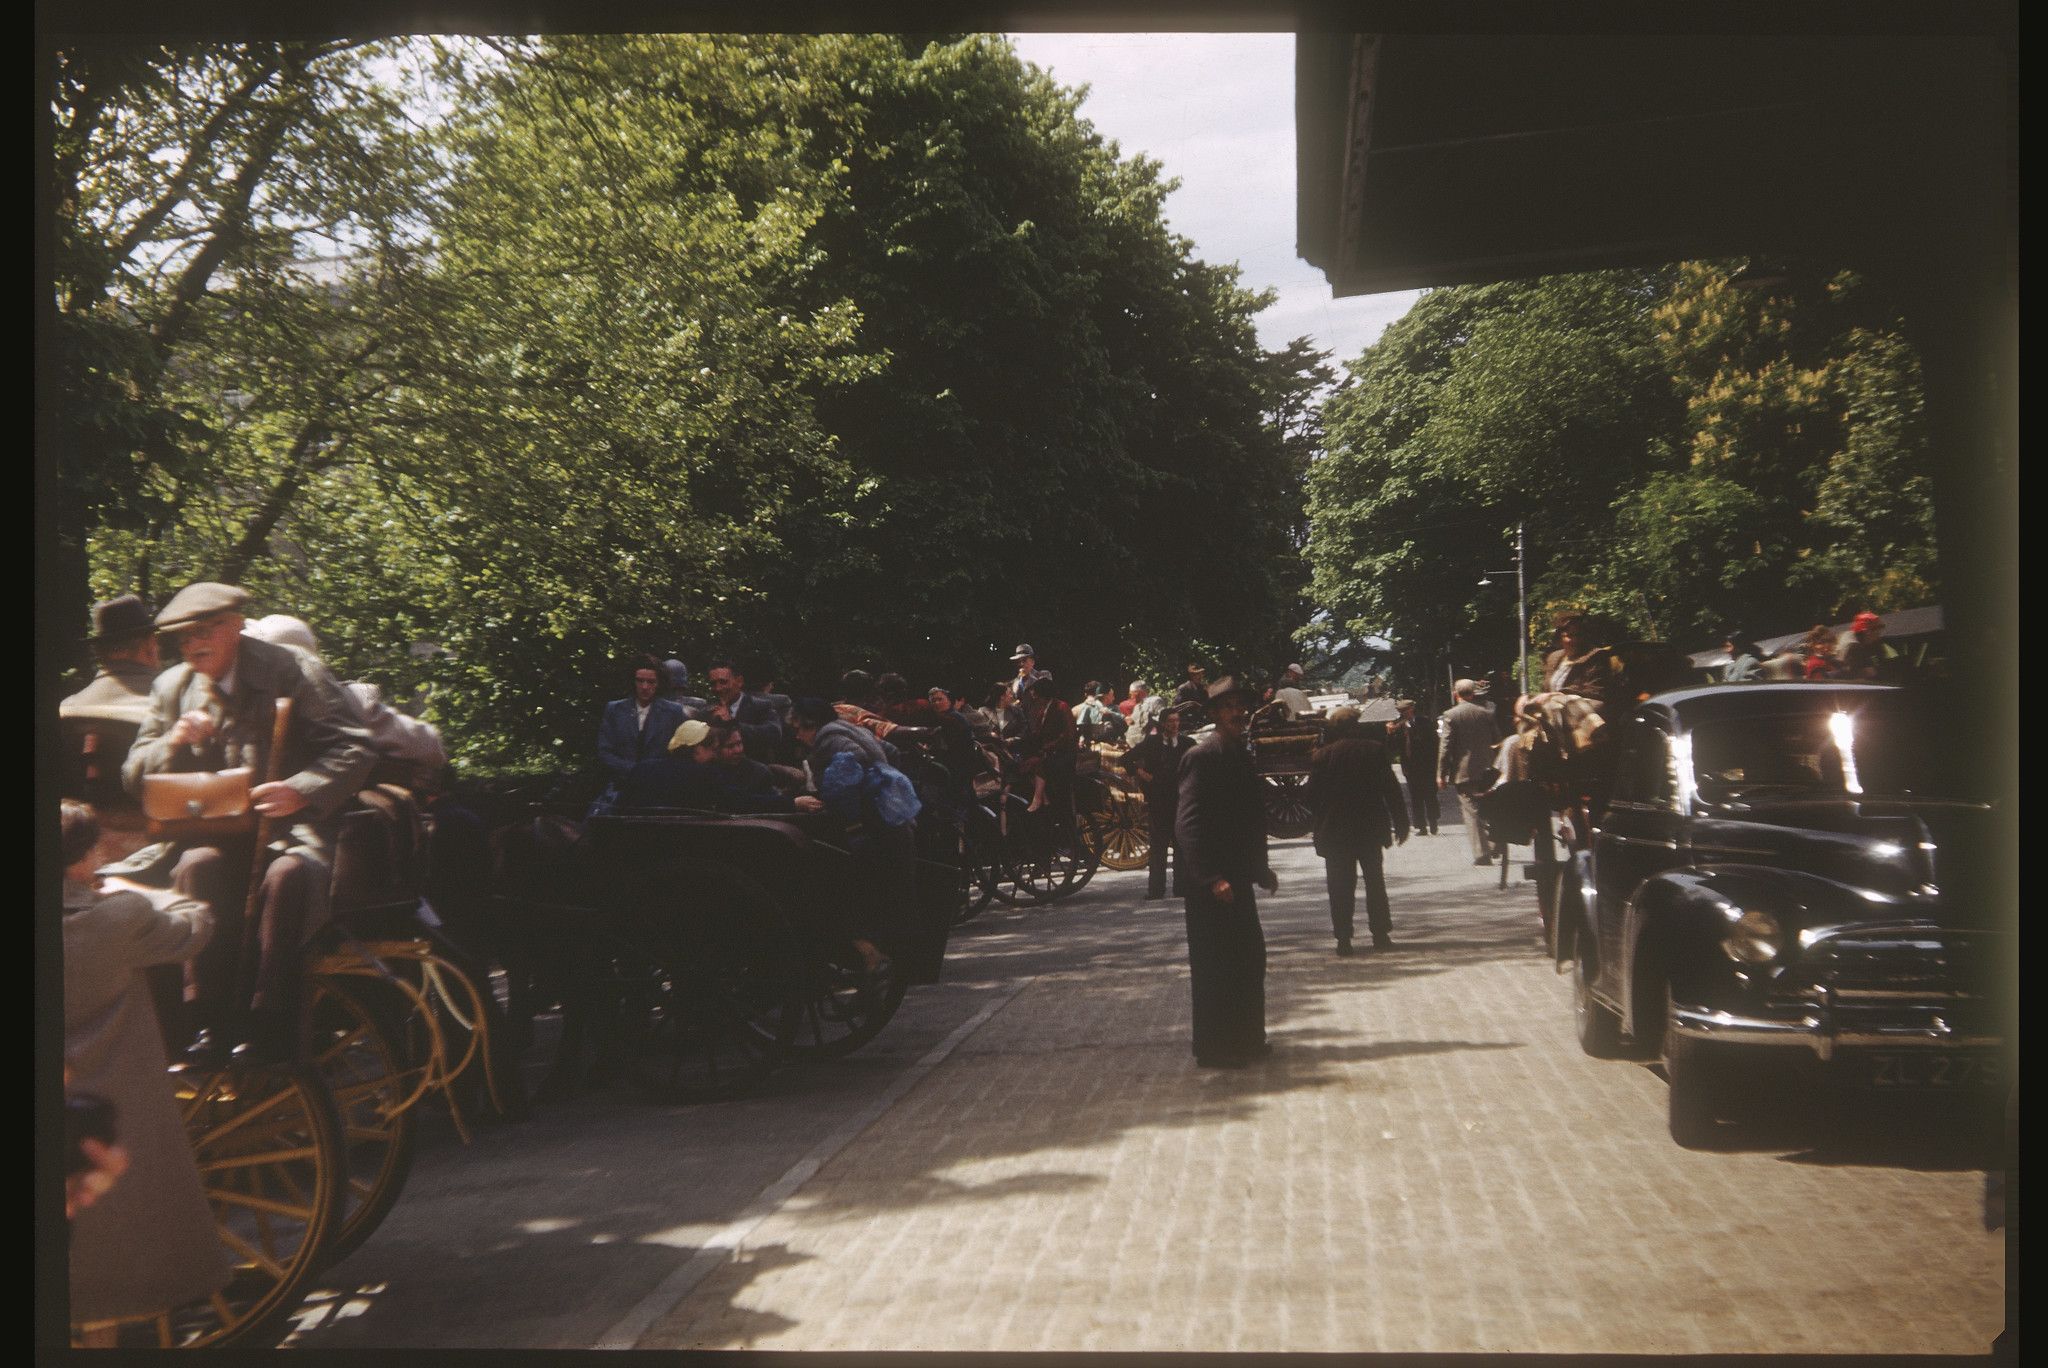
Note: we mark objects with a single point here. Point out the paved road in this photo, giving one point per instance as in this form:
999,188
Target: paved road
1028,1160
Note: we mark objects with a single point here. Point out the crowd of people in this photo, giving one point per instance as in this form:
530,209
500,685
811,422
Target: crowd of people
251,703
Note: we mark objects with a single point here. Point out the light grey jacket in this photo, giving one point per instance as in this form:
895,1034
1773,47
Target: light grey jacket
149,1244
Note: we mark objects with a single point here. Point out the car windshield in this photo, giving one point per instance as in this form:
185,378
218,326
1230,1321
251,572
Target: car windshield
1879,747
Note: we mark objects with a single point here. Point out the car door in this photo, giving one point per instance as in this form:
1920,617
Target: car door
1638,837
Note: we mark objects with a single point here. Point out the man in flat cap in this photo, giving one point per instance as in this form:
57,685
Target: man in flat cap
101,720
216,710
1220,829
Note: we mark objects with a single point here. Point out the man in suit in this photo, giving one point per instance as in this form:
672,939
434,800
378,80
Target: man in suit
637,728
1220,828
1470,740
760,725
1358,813
1155,763
1412,740
217,710
100,720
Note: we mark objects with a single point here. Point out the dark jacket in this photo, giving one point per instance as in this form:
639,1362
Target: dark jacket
1356,800
679,781
1220,826
760,725
1159,758
621,741
1415,746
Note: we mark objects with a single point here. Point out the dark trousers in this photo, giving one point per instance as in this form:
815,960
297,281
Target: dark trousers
1423,812
1159,813
1340,873
217,979
1227,967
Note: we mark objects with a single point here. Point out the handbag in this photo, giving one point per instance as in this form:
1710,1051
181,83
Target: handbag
199,804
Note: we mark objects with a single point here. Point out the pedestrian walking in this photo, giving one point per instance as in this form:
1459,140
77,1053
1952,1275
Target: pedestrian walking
1358,814
1470,738
1414,743
1221,831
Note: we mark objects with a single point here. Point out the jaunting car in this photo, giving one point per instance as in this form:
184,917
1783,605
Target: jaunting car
1792,875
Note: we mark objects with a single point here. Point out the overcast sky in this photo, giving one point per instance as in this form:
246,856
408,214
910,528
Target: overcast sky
1217,111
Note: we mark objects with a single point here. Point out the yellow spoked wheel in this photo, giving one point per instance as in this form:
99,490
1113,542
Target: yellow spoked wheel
269,1150
353,1041
1123,832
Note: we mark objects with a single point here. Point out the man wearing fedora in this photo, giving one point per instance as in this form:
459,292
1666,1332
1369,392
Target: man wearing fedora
1220,829
101,720
1358,813
216,710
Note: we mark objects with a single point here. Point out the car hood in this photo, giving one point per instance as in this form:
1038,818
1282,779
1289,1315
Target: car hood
1929,858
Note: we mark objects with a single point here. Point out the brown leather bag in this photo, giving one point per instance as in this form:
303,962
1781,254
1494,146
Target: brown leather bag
198,805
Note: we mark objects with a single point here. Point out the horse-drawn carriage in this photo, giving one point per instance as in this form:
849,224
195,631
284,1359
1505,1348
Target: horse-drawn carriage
700,950
301,1157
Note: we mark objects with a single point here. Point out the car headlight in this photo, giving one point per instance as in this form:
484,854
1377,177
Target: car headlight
1753,939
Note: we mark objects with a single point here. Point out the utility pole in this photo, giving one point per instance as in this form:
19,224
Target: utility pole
1522,602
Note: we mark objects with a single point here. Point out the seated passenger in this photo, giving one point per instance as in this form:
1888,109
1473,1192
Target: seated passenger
411,747
707,768
758,719
100,721
637,728
216,711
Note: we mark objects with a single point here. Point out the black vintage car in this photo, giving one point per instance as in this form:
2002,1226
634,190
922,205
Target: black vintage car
1795,872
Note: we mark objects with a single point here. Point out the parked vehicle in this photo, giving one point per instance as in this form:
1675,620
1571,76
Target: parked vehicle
1790,871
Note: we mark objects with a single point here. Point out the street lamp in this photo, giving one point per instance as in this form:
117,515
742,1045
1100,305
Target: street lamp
1521,601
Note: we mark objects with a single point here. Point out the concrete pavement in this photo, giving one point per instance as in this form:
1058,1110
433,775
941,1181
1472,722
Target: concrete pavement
1427,1163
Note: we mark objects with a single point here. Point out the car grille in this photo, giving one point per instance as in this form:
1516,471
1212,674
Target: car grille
1899,963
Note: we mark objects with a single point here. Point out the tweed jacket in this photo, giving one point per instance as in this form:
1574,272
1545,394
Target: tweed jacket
327,756
1470,737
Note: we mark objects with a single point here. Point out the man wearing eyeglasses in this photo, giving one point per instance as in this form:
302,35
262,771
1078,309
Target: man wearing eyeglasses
216,710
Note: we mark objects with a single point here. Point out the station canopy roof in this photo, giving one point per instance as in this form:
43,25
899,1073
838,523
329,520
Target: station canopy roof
1429,160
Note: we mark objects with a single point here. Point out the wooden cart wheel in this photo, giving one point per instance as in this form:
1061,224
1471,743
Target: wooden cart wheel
841,1013
269,1149
1125,832
1287,812
353,1040
707,986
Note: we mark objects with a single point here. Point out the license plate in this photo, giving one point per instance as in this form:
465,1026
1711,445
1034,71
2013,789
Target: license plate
1934,1069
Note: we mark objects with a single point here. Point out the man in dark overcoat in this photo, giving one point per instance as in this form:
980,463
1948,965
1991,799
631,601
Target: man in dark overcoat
1155,764
1358,813
1221,831
1413,741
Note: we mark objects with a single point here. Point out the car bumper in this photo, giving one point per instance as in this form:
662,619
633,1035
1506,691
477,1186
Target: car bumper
1822,1028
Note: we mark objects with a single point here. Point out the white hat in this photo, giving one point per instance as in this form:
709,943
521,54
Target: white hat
691,733
282,629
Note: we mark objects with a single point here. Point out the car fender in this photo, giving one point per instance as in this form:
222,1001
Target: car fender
1675,922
